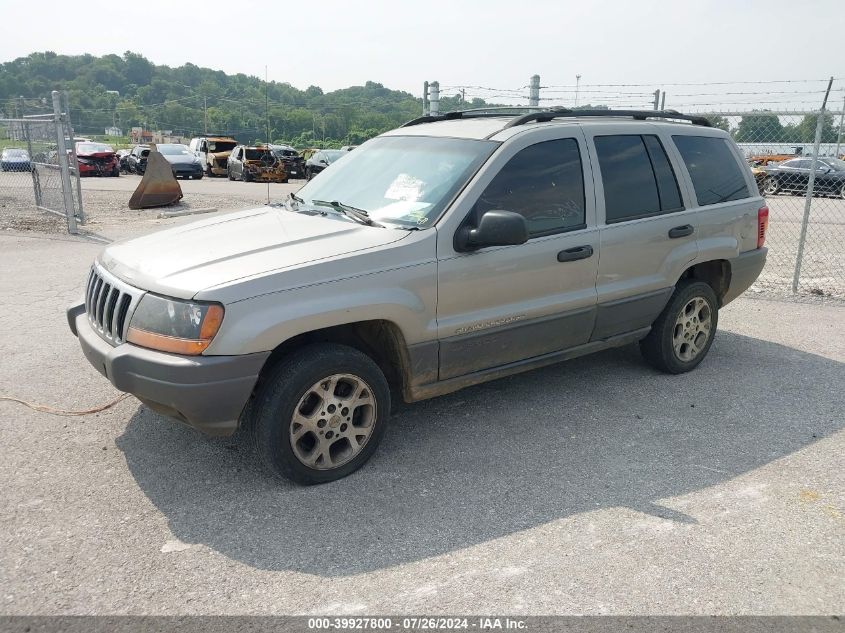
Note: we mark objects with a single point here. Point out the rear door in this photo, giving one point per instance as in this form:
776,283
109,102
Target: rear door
647,227
504,304
724,194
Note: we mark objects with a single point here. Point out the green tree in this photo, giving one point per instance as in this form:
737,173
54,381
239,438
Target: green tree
760,128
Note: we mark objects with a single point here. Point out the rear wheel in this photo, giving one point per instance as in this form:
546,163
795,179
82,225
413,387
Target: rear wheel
320,413
771,187
683,333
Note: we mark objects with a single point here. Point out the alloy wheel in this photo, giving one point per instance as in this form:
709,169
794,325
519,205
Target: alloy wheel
693,329
333,421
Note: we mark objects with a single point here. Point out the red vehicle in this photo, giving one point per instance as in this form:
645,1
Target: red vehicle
97,159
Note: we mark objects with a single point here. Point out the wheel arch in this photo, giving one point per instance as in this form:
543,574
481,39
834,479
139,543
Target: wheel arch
380,339
716,273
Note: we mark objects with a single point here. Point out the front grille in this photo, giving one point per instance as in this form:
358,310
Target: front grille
109,304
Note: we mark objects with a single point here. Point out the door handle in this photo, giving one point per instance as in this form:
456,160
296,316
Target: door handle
681,231
573,254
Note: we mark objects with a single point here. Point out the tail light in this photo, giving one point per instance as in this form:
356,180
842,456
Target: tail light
762,225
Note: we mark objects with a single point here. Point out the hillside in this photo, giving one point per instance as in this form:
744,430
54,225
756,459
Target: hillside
161,97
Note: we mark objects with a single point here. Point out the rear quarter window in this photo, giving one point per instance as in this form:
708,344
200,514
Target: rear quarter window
713,168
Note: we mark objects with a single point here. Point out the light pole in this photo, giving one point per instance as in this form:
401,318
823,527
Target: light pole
577,88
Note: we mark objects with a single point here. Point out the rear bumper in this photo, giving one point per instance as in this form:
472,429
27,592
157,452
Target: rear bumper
744,271
206,392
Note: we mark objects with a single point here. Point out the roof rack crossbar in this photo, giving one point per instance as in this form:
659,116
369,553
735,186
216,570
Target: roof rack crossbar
639,115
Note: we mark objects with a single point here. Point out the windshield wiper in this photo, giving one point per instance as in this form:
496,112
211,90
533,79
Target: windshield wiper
296,198
351,212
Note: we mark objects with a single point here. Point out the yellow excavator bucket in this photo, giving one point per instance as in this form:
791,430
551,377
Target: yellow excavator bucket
158,187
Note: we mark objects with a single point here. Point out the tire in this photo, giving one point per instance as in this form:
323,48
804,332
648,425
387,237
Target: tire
208,171
771,186
291,389
308,174
842,191
197,176
229,174
676,345
245,176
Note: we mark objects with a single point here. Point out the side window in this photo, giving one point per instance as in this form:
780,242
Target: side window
544,183
630,184
203,146
667,183
714,170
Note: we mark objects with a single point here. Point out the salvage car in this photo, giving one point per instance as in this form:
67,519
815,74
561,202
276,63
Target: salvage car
96,159
322,159
435,257
213,152
14,159
256,163
123,160
294,163
137,159
793,176
183,161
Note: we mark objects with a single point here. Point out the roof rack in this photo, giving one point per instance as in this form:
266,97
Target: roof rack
639,115
543,116
493,111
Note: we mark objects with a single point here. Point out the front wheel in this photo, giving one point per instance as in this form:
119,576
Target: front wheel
320,413
683,333
842,191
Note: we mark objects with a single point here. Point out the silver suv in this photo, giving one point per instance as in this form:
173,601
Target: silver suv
451,251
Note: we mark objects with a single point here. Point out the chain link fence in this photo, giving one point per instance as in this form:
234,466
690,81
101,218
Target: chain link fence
805,192
38,170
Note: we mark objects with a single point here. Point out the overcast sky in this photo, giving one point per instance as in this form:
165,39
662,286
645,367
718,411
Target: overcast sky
488,43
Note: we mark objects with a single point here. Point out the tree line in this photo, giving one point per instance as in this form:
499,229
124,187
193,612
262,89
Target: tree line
130,91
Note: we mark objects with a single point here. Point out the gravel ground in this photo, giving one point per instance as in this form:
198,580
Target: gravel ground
592,487
105,203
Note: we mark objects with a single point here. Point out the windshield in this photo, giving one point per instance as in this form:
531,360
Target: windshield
259,154
175,150
93,148
333,154
221,146
407,180
836,163
14,153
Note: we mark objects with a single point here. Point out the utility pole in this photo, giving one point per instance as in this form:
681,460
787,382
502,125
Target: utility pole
656,98
425,99
839,134
534,91
577,89
663,100
435,98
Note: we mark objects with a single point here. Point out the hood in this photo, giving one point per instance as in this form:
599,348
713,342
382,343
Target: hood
180,159
95,155
184,260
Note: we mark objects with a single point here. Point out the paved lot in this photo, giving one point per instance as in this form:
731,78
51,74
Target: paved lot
595,486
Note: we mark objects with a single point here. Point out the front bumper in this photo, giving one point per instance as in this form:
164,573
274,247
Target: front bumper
206,392
744,271
187,170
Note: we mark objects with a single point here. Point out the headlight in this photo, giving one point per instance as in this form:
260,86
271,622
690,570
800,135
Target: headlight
173,325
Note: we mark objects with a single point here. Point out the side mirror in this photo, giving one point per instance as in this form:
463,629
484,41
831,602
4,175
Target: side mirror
495,228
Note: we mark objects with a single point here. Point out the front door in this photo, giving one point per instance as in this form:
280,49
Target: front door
504,304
